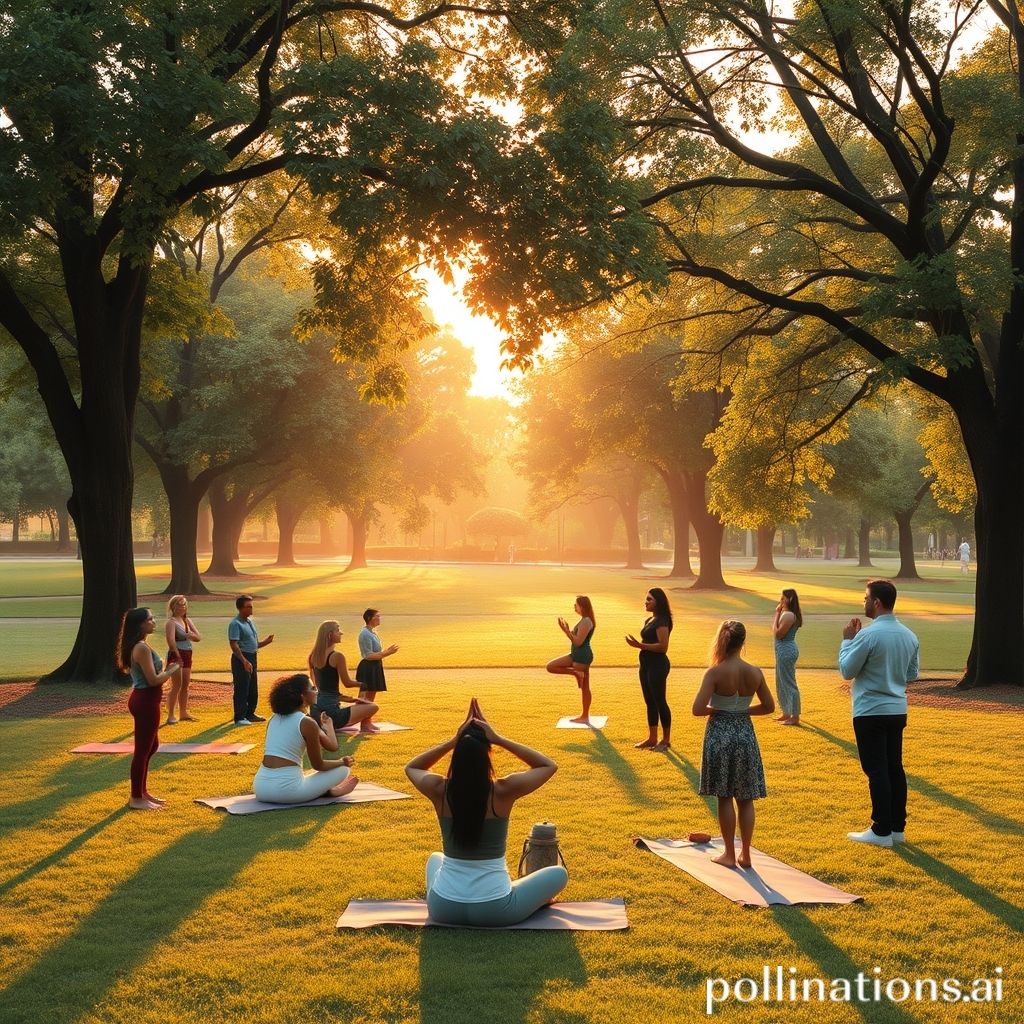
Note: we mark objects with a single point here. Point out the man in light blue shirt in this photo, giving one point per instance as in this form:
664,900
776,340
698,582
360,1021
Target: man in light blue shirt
245,642
880,659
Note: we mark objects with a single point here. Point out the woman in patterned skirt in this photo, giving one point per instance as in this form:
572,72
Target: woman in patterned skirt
731,767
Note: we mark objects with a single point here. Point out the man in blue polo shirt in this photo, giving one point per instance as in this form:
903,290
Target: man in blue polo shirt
245,642
880,659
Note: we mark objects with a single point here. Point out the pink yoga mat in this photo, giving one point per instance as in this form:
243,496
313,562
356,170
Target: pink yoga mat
595,916
166,748
353,730
767,882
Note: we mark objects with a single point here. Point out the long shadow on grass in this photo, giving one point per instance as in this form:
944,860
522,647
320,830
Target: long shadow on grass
600,751
692,773
926,788
833,962
468,976
72,977
1012,916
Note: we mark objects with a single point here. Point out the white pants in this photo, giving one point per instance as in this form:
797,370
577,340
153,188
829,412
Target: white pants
292,786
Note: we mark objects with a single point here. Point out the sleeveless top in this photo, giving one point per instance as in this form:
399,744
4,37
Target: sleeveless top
138,679
284,737
585,646
789,638
181,637
476,874
649,635
327,679
734,702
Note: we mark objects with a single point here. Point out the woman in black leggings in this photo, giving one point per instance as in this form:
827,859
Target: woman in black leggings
654,668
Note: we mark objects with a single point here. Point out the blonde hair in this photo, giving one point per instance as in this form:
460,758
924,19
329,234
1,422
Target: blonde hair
731,637
172,602
318,656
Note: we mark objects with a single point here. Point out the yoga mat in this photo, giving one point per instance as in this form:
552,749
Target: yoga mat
767,882
595,916
364,793
166,748
596,722
353,730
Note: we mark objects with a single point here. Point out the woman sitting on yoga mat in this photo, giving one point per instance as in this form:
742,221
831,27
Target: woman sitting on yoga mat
291,733
328,667
469,883
731,767
143,665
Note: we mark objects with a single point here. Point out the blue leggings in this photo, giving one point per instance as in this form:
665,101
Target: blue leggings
528,895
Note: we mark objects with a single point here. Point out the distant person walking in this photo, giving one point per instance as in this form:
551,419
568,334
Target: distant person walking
245,642
965,555
788,619
370,670
880,659
180,633
143,665
329,671
730,765
654,669
580,657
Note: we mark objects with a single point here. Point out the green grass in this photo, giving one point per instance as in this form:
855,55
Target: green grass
475,616
188,916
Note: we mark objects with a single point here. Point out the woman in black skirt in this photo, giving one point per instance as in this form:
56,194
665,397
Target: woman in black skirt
370,670
731,768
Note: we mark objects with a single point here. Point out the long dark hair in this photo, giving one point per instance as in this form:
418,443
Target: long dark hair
470,777
129,635
586,608
793,603
661,606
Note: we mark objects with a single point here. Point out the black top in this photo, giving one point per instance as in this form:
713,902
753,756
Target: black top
649,635
327,680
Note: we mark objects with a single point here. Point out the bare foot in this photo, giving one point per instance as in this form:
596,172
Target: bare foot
782,718
154,799
582,720
645,744
792,721
171,721
345,786
660,748
142,804
743,862
189,718
727,860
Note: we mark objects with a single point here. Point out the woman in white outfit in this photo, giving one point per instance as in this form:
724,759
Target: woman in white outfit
292,733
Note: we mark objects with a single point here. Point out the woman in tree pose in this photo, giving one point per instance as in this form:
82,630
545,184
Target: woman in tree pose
292,733
328,667
370,670
731,768
654,669
788,619
180,633
469,883
577,662
136,658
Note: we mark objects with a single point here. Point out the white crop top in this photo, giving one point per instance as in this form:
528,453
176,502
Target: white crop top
284,737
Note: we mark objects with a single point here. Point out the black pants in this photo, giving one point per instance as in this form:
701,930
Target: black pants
880,745
653,684
246,688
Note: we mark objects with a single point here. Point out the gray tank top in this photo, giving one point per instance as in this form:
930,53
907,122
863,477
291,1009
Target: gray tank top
735,702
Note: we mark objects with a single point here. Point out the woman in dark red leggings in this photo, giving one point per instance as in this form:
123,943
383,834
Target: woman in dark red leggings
143,665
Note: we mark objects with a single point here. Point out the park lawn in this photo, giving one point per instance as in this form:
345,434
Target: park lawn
475,616
188,916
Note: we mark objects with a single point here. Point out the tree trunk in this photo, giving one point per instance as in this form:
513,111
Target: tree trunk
288,515
183,497
710,532
203,529
850,547
327,546
16,527
765,553
908,563
228,519
628,500
359,529
679,502
864,544
63,530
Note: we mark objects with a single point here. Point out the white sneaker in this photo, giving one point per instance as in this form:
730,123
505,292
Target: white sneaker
899,837
243,721
869,836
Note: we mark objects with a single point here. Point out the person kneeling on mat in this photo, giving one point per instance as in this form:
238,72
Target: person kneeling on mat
291,733
469,883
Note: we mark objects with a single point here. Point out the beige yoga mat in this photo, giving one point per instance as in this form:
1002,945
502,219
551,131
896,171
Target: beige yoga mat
595,916
767,882
596,722
353,730
364,793
166,748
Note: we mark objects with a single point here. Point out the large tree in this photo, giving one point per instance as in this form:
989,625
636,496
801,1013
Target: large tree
855,166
